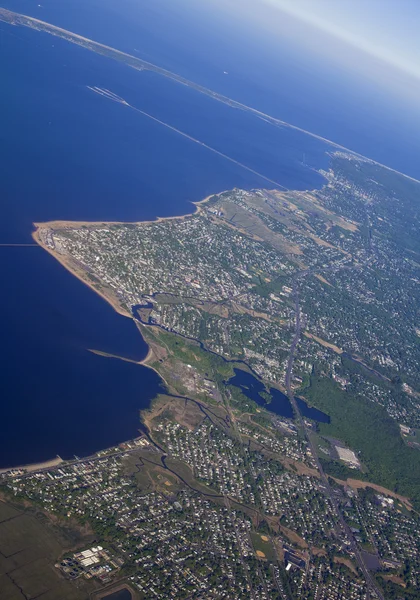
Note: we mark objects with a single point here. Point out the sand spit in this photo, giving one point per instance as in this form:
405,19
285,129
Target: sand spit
115,356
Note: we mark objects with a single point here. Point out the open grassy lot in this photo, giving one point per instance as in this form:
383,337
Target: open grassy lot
30,545
263,546
174,347
150,475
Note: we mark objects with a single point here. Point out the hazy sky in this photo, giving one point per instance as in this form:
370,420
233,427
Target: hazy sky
375,39
386,29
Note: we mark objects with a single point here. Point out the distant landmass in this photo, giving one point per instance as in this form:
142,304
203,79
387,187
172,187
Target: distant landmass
280,457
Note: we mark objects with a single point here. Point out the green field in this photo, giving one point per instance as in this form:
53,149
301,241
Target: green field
30,545
262,544
190,352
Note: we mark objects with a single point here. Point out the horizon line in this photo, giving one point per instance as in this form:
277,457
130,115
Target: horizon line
18,19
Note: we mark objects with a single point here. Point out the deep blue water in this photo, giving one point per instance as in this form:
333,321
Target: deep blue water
310,412
121,595
273,75
251,387
67,153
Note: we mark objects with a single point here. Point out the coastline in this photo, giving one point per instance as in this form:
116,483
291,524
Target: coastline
58,224
70,266
106,293
31,467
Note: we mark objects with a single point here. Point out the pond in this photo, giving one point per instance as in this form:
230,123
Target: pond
312,413
124,594
252,387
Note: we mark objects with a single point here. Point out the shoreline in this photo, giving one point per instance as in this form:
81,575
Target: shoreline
117,448
59,224
70,266
32,467
106,294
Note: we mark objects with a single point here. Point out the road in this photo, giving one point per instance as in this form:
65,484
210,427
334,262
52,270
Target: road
344,531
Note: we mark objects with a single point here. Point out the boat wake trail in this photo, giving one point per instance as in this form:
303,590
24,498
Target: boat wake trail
139,64
19,20
107,94
115,98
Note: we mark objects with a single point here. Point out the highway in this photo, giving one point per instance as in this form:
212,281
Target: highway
344,530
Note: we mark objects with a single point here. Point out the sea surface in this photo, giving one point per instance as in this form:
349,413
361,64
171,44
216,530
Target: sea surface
68,153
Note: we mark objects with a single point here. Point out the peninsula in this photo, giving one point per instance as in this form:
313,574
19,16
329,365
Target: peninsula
283,326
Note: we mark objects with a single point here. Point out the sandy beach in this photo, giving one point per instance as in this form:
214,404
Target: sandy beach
105,293
54,462
76,224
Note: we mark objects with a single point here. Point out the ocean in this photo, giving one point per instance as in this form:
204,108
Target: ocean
68,153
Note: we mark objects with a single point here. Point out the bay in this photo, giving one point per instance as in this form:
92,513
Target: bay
67,153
